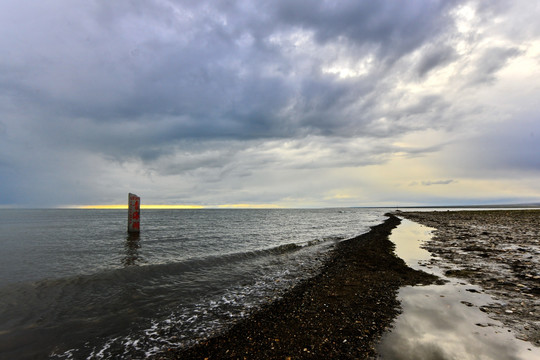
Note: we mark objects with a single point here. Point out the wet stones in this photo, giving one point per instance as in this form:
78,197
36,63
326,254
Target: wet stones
338,314
498,250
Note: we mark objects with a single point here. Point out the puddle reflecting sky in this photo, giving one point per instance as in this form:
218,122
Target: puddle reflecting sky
408,237
444,321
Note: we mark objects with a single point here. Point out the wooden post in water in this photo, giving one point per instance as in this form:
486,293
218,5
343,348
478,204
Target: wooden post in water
134,213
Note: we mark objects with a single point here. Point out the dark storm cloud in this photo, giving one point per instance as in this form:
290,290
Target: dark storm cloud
393,28
216,90
216,69
133,79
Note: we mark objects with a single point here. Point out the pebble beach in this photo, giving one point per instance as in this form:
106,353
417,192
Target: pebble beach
345,310
339,314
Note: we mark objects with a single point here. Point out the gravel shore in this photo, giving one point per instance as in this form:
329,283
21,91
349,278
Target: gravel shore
498,250
340,313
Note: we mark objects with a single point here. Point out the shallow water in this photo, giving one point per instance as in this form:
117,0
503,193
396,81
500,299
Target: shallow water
74,285
444,321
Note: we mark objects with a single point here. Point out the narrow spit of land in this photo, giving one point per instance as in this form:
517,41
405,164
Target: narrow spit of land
498,250
339,314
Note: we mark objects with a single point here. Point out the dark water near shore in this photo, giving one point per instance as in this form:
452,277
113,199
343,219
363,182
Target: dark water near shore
74,285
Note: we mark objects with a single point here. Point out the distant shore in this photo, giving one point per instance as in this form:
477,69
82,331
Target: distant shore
340,313
498,250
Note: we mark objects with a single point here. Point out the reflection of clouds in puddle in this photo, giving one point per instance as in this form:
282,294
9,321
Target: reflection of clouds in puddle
411,236
435,324
435,327
408,237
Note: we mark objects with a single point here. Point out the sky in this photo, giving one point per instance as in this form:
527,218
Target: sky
269,103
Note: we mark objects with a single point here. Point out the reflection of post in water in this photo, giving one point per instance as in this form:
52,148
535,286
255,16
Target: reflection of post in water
132,246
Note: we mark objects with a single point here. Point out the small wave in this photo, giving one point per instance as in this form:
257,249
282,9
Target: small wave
132,273
99,291
47,301
190,321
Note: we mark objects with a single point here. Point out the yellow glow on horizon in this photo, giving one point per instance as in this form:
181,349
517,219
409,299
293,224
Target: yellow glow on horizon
143,206
249,206
169,206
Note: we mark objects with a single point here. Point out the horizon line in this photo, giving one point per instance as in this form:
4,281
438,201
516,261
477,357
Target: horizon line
273,206
181,206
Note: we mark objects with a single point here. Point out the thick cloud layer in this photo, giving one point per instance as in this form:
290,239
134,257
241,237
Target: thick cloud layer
238,101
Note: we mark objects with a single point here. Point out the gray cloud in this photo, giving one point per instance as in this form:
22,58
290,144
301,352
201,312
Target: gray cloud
502,150
437,182
435,57
222,91
220,74
393,29
492,60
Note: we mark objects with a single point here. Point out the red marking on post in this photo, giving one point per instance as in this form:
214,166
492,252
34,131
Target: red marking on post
134,213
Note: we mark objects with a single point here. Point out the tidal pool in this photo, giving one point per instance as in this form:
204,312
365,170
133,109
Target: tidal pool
444,321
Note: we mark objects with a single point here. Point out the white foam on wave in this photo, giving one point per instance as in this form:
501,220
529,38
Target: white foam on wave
191,323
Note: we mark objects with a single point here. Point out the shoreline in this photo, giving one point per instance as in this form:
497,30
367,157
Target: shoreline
340,313
497,250
444,321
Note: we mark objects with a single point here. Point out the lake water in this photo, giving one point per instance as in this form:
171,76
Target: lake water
73,284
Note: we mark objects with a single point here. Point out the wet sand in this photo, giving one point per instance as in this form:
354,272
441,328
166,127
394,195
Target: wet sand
340,313
497,250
